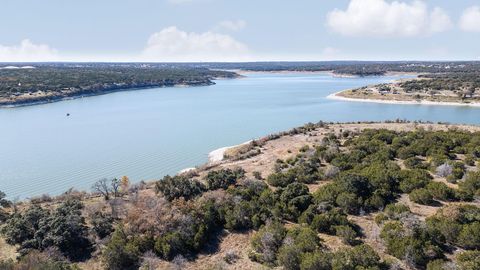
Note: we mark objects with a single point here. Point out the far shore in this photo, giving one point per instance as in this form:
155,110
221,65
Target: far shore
335,96
25,103
327,72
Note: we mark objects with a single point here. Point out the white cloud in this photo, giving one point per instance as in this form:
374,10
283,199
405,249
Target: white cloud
231,25
172,45
381,18
27,52
470,19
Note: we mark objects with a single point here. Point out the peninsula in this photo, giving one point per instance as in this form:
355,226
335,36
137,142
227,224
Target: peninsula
448,88
393,195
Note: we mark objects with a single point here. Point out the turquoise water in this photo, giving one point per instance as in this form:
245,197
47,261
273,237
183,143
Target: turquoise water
146,134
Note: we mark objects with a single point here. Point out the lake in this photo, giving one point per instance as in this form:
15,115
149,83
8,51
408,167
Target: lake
146,134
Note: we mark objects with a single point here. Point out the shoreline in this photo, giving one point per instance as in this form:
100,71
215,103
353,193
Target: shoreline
335,96
14,105
217,155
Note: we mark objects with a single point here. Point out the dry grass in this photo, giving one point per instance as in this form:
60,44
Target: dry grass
7,251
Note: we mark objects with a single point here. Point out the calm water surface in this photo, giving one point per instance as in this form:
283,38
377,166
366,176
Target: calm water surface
146,134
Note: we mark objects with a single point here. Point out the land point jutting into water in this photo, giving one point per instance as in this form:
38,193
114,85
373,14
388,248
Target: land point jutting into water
330,194
438,89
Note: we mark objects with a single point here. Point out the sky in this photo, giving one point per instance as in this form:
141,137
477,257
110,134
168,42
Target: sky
247,30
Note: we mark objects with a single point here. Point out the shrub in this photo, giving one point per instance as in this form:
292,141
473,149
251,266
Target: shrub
102,224
281,179
414,163
267,241
230,257
298,241
458,173
469,237
257,175
421,196
349,202
437,265
294,199
325,222
289,257
170,245
469,260
239,216
471,185
413,179
331,172
223,178
120,253
316,261
179,186
452,179
64,228
410,243
470,160
39,261
456,225
396,211
346,233
304,239
359,257
440,191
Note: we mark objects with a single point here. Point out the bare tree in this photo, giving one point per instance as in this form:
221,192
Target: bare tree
102,187
108,187
116,183
444,170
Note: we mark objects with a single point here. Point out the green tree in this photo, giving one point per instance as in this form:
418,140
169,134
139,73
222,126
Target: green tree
179,186
120,253
223,178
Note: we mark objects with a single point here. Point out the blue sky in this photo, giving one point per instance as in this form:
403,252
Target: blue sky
221,30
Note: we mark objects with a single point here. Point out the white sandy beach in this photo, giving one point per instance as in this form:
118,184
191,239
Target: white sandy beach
186,170
403,102
218,154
